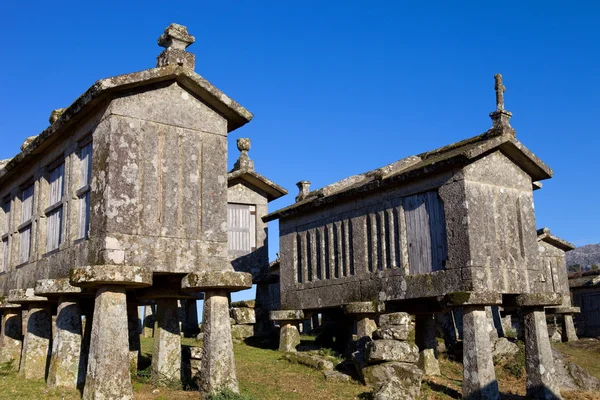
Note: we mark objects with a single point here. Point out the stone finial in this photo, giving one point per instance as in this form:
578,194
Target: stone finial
501,117
304,189
55,114
244,161
175,40
27,142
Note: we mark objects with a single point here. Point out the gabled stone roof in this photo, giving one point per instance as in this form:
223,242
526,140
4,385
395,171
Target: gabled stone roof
414,167
270,188
584,279
235,114
545,236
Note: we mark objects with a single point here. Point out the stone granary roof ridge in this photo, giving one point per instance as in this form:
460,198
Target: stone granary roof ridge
235,114
545,235
584,279
459,153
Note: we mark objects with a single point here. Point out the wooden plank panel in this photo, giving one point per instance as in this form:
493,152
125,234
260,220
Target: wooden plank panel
437,226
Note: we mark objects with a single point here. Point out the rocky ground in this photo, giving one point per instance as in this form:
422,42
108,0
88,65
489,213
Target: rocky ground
266,374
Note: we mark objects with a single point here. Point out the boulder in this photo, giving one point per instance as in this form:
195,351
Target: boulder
244,303
243,315
393,332
241,332
310,360
409,374
391,350
398,318
336,376
502,347
395,389
571,376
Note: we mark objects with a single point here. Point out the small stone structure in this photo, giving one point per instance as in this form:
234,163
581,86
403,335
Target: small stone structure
123,202
243,315
450,228
585,289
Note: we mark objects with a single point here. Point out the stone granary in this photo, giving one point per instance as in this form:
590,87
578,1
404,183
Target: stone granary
585,289
452,227
123,201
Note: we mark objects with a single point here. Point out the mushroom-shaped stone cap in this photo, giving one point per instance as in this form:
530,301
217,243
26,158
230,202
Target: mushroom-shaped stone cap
102,275
226,280
286,315
55,287
5,304
22,296
176,37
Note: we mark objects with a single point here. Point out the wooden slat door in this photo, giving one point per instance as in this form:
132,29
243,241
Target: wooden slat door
241,234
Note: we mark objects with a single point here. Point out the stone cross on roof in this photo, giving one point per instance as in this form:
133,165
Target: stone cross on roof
175,40
501,117
500,89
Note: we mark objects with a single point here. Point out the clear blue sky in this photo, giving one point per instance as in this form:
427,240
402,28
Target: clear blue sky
341,87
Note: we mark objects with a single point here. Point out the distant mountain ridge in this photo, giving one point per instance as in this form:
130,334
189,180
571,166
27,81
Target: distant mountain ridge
585,256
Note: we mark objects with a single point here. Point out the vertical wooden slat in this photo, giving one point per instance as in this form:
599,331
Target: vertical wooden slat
327,251
331,238
391,238
369,240
321,235
303,256
312,255
337,250
381,238
374,242
299,259
345,247
351,255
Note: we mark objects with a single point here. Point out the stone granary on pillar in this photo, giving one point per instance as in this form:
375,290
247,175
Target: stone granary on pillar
585,289
452,227
122,201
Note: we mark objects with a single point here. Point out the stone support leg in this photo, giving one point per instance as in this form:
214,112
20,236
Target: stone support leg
190,327
36,345
479,378
85,347
539,365
133,327
425,340
218,364
148,323
12,337
365,327
289,337
264,305
166,356
568,329
66,347
108,366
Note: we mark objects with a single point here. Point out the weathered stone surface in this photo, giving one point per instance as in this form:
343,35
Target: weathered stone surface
397,332
220,280
572,377
166,357
393,390
24,296
361,307
538,299
336,376
243,316
310,360
458,299
218,364
400,319
409,375
11,340
55,287
391,350
502,347
36,344
289,337
241,332
243,303
427,344
539,365
479,377
99,275
66,345
286,315
108,365
365,327
133,328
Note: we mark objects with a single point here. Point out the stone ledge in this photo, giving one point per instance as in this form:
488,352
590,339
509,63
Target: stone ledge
55,287
286,315
121,275
563,310
23,296
458,299
6,305
361,307
226,280
535,300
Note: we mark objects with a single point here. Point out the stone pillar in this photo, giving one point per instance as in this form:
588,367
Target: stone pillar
289,337
36,344
218,364
66,347
166,355
85,347
491,326
264,305
568,329
148,323
108,374
133,328
539,365
190,326
479,377
11,340
425,340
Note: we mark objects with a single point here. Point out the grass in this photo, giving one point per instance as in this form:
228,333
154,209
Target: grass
264,375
